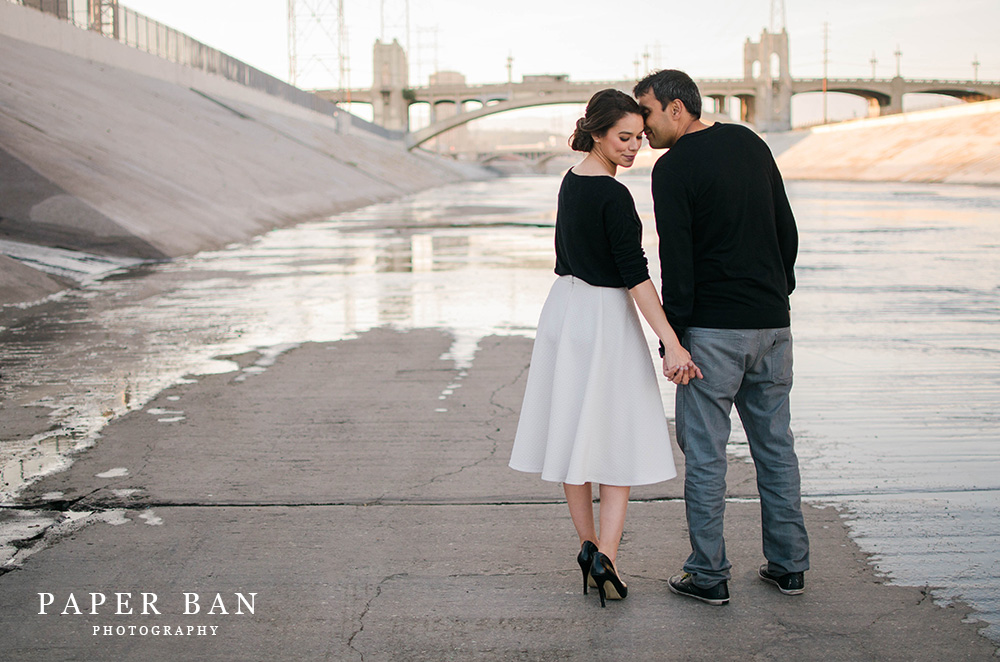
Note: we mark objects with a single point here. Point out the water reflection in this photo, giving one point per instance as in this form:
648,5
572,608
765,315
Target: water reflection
896,323
107,349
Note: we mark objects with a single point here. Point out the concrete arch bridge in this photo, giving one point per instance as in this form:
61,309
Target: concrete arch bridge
764,93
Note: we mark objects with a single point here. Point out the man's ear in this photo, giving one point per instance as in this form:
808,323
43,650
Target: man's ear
676,108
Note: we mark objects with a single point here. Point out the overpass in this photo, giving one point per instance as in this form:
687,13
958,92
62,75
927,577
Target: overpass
764,93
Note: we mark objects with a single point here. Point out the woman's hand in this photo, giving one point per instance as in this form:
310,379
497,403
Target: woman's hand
678,366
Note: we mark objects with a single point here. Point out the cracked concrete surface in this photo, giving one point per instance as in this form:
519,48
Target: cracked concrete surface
371,526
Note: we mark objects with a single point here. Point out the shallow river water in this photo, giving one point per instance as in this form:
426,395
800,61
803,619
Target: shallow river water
896,321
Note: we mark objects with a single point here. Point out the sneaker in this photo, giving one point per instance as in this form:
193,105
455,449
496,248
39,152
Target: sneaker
794,583
682,585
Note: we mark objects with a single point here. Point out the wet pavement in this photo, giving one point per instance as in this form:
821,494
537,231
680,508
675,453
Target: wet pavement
352,501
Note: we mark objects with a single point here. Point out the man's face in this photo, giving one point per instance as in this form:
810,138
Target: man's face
663,127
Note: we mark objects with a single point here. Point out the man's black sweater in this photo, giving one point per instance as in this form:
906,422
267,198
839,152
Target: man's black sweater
727,235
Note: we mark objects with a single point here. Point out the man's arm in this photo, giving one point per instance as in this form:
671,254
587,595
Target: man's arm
672,207
784,221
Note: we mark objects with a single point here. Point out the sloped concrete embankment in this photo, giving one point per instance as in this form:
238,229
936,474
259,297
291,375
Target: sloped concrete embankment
108,150
953,145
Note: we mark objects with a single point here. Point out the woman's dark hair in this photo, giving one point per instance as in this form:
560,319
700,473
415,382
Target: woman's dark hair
603,111
670,84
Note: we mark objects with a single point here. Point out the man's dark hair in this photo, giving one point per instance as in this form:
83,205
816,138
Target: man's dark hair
670,84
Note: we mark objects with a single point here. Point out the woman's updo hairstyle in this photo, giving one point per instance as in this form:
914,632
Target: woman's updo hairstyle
603,111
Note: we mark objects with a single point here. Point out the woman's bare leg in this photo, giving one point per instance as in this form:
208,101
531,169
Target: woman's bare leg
581,508
614,503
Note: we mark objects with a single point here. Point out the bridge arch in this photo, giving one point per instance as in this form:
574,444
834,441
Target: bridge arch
965,94
421,136
503,157
883,98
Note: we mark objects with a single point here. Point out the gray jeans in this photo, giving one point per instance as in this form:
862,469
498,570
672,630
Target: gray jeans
751,368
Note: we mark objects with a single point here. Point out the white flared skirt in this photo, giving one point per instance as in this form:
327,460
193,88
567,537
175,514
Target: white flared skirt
592,410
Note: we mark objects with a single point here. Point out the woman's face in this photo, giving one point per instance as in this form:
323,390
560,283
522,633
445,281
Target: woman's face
622,141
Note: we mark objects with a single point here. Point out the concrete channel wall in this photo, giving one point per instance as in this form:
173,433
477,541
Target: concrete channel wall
952,145
108,150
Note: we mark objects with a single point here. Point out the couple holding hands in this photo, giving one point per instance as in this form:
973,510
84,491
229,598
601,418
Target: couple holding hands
592,411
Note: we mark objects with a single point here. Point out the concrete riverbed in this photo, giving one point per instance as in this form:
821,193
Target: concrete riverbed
366,517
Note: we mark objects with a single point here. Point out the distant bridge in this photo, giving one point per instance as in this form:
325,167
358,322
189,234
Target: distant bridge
525,160
764,93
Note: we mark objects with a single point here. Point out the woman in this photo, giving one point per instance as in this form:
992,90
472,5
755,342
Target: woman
592,410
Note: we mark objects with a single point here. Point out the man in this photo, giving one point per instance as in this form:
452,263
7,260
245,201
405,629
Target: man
727,246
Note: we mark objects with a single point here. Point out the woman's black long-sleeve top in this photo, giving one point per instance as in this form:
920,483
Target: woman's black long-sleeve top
598,232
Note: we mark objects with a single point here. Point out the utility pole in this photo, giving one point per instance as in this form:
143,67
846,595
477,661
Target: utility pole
424,44
510,68
343,54
826,62
898,55
777,16
975,68
292,44
873,62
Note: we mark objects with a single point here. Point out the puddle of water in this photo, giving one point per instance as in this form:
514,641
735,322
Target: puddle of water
76,265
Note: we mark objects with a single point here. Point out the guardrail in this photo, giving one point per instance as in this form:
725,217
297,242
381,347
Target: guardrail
131,28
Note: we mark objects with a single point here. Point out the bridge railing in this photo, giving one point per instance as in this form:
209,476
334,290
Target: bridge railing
131,28
942,81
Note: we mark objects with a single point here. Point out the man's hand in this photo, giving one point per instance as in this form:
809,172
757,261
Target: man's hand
679,368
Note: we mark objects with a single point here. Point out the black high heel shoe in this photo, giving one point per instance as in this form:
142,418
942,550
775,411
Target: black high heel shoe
586,558
609,584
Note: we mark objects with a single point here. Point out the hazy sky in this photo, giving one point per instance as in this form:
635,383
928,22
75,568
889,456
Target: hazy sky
591,40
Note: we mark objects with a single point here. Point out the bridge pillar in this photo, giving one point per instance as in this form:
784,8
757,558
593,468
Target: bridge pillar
765,64
721,103
450,106
748,111
390,106
897,86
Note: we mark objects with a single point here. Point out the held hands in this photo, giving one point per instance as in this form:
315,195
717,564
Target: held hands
678,366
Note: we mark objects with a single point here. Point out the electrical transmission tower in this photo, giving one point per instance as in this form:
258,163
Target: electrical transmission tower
317,44
395,22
